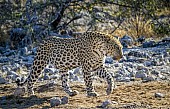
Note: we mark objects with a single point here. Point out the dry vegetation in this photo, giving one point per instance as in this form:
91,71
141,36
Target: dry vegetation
133,95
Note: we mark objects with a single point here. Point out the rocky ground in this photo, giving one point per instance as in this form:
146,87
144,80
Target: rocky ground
126,96
142,78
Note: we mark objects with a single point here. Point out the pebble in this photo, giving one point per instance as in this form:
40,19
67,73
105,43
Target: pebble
123,79
77,71
159,95
126,41
64,100
149,78
106,103
149,44
3,102
55,101
2,80
155,72
4,59
140,74
147,63
154,62
109,60
12,74
46,77
23,51
48,70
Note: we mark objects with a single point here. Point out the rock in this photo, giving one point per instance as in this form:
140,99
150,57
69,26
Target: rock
141,67
149,78
23,51
56,76
77,71
141,39
126,41
28,59
27,64
166,54
2,49
165,42
4,59
149,44
134,59
154,62
34,51
159,95
140,74
161,76
9,52
71,75
109,60
55,101
117,75
75,78
138,54
19,92
3,102
37,28
46,77
167,39
49,71
116,65
107,103
147,63
2,80
155,72
12,73
123,79
4,68
64,100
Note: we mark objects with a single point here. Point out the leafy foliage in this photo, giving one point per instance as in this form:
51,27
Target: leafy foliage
119,17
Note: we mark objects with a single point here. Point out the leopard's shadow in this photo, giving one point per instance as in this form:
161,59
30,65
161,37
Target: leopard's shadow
10,101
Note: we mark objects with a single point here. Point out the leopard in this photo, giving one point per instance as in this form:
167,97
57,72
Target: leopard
87,51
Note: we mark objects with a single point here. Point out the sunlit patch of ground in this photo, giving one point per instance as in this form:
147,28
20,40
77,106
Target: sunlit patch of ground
127,95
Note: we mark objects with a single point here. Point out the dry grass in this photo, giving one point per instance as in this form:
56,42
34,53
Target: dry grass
137,95
139,26
4,36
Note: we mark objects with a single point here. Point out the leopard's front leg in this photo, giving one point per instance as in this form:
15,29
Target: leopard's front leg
102,73
88,82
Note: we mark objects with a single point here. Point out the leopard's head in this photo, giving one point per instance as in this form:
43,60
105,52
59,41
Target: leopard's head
114,48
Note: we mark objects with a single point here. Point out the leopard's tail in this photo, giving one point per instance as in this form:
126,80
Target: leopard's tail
19,81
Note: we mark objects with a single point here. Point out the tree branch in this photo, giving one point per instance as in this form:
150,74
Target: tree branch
117,27
75,18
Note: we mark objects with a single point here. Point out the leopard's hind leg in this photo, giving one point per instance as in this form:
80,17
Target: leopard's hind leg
65,84
40,62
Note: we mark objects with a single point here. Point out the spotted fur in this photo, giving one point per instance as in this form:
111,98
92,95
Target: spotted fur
87,52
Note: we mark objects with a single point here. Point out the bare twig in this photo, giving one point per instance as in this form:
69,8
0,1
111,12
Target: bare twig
117,27
75,18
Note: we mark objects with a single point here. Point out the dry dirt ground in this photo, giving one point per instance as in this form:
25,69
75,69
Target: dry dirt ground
133,95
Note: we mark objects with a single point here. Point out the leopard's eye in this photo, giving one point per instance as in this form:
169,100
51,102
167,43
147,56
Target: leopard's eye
116,46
